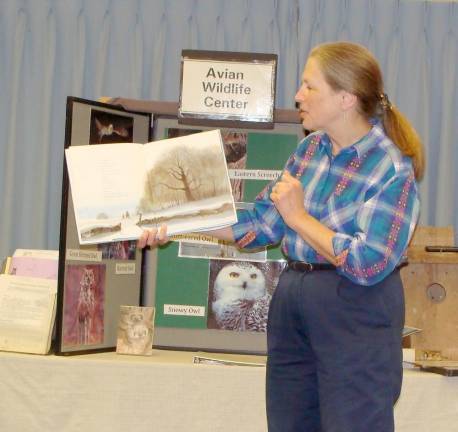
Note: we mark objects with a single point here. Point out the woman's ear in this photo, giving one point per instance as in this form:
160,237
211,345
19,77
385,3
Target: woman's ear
348,100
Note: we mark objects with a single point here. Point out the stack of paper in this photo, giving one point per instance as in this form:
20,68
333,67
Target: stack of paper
28,291
34,263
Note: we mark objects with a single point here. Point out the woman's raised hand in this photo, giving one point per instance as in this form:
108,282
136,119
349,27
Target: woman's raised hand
153,237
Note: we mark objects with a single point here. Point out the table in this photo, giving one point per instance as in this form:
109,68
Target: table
167,392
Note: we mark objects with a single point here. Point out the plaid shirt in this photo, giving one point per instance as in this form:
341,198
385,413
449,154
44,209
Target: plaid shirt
367,195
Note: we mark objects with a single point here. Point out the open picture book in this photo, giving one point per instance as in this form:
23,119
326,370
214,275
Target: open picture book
120,189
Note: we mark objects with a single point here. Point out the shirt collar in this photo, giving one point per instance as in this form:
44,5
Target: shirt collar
362,146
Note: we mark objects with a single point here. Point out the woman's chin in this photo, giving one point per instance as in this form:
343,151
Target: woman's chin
306,124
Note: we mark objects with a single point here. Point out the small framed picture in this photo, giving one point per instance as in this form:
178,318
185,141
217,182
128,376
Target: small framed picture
135,330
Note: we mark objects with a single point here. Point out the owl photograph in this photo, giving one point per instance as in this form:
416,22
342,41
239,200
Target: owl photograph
84,305
240,293
235,151
135,330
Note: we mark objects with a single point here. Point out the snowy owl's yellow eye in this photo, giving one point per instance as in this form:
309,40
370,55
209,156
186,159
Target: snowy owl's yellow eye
253,275
234,274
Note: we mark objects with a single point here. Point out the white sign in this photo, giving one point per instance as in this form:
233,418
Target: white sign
184,310
83,255
250,174
125,268
228,89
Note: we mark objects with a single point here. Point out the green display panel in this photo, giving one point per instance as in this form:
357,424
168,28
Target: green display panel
180,281
267,152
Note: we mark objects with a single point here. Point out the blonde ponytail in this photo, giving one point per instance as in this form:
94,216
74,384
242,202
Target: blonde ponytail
403,134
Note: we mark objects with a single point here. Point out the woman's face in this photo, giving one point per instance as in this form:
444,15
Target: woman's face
319,104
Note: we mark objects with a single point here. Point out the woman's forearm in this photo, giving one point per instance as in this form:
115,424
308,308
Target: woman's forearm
225,234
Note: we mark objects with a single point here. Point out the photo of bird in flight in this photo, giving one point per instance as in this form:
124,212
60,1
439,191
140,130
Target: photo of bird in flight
108,130
107,127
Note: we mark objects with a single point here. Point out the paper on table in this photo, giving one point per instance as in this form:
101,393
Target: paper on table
33,267
37,253
6,265
224,362
408,330
27,310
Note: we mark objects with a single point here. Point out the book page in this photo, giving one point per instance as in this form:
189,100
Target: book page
120,189
107,182
191,190
27,308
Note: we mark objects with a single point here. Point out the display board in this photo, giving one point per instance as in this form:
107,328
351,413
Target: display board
95,280
193,285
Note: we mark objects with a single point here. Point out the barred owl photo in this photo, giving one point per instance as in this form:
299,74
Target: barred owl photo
240,298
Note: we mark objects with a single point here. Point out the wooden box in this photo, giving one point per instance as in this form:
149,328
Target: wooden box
431,294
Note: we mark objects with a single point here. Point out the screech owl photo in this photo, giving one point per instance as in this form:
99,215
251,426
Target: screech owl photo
240,299
135,330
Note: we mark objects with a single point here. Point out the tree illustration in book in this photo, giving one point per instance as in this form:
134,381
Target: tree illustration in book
184,175
240,294
83,305
235,152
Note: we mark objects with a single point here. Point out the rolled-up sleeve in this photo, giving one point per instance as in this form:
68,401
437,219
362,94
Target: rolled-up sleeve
261,226
385,224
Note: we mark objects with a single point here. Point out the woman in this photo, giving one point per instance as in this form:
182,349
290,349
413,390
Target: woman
344,210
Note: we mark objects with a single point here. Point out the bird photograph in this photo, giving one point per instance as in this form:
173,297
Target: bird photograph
110,128
240,293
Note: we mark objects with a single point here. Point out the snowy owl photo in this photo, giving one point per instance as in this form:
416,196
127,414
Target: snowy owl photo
239,299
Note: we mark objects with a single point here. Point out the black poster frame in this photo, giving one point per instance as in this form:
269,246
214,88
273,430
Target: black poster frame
102,266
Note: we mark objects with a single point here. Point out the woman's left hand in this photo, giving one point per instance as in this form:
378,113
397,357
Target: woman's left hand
288,197
153,238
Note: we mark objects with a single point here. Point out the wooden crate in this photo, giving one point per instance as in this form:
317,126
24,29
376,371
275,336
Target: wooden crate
431,293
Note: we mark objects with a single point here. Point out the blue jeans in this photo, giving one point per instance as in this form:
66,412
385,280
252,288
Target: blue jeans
334,353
